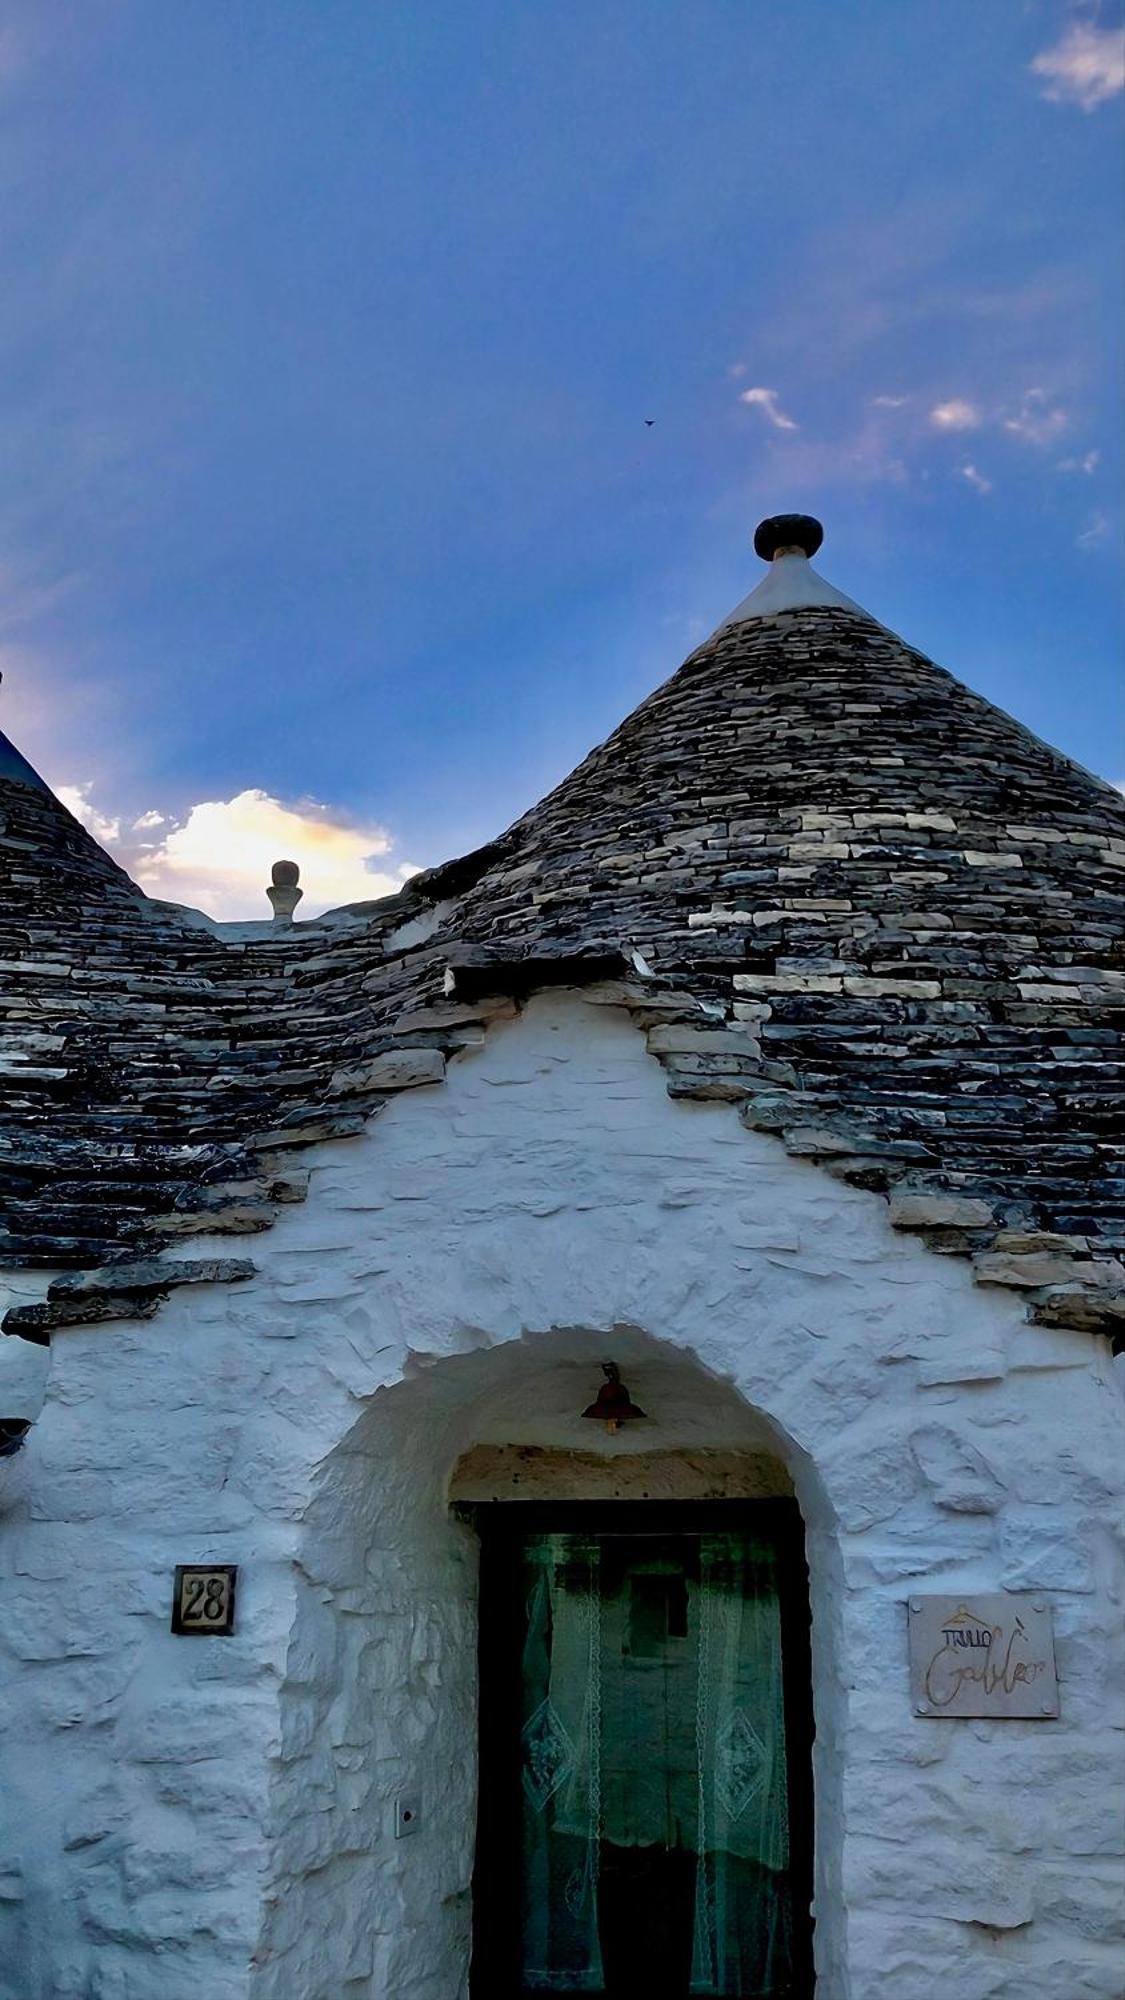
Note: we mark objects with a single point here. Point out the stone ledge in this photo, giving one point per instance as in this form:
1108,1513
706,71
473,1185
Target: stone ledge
1083,1311
394,1069
911,1209
37,1323
151,1274
1036,1269
131,1289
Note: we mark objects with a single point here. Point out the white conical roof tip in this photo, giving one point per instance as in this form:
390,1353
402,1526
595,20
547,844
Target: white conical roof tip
786,541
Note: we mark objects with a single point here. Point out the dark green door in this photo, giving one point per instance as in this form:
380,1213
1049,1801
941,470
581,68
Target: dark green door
645,1778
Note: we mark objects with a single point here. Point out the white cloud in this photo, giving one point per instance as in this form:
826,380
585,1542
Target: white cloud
1095,532
77,800
956,415
766,401
888,402
1038,420
975,479
1087,463
1086,66
218,856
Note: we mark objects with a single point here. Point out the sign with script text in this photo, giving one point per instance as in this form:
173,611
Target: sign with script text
985,1656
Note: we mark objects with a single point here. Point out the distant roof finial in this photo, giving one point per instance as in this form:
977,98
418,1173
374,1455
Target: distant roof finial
283,891
787,535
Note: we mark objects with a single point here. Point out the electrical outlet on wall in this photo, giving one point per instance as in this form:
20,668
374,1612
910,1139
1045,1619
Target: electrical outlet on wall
408,1814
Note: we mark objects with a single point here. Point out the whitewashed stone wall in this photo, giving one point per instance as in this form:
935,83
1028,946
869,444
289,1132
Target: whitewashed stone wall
189,1816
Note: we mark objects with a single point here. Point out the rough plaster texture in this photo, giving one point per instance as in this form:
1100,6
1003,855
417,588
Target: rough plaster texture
188,1816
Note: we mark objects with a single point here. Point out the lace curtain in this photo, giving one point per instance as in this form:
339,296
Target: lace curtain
654,1767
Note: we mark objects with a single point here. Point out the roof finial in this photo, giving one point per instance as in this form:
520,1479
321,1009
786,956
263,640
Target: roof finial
283,891
787,535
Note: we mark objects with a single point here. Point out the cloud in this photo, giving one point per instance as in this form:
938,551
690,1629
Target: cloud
217,857
956,415
976,479
1086,66
1095,532
76,798
1038,421
1087,463
888,402
766,401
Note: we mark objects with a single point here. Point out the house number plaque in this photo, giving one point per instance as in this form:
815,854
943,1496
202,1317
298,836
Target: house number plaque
203,1600
992,1655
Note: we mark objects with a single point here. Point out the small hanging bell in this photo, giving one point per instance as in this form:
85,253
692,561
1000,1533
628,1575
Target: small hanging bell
613,1405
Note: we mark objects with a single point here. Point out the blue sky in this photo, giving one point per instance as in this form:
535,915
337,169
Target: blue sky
329,513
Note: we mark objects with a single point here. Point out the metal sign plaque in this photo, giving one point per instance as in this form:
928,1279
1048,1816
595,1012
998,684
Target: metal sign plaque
203,1599
992,1655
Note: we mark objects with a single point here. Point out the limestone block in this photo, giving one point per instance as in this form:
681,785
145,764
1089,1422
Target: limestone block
1079,1972
1087,1903
672,1038
1081,1309
82,1694
908,1549
211,1789
100,1814
191,1727
959,1474
953,1879
150,1922
1041,1550
397,1069
887,989
901,1951
817,1140
939,1211
148,1274
192,1864
40,1624
889,1481
720,1089
311,1659
1042,1267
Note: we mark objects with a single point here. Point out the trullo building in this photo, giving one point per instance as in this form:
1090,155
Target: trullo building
559,1430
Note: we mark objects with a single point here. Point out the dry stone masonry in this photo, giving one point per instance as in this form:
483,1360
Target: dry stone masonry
836,887
778,1054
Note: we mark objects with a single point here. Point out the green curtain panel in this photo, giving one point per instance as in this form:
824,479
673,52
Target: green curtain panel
655,1835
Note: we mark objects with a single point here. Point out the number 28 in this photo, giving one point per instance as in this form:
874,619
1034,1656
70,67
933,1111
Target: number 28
205,1598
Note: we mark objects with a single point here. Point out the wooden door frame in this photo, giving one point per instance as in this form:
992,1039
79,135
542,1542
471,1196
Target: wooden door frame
502,1526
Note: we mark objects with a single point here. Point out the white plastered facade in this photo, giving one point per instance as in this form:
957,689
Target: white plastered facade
188,1816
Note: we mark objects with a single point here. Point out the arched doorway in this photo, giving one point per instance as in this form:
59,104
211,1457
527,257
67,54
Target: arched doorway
389,1670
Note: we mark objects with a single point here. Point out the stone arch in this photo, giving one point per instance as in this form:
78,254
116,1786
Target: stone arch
380,1688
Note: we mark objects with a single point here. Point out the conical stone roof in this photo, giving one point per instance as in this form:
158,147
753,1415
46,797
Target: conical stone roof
49,864
809,783
836,887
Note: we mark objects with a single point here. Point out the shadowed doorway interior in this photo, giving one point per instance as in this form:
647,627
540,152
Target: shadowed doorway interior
645,1780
